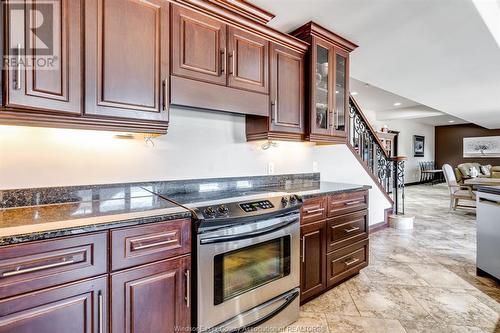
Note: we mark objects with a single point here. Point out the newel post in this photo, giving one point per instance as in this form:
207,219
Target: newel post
399,184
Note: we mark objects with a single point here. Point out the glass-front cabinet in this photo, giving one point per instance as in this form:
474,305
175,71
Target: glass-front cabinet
341,93
327,114
321,89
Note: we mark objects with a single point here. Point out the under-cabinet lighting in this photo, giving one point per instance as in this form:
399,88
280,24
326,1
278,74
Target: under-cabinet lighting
451,121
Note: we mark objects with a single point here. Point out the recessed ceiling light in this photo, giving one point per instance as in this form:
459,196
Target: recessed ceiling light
354,93
451,121
336,91
397,104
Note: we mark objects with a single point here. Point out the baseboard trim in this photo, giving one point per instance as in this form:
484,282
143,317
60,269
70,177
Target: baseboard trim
414,183
430,182
381,225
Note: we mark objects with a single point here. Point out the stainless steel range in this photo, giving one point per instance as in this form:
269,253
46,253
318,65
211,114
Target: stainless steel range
248,264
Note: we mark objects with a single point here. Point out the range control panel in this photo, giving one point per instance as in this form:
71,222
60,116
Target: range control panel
256,205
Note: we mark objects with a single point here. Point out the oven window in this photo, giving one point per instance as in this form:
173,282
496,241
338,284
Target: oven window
242,270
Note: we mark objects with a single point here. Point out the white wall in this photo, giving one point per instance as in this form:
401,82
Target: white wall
198,145
338,164
408,128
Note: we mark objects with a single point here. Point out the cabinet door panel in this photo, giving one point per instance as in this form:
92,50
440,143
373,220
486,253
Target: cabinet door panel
248,61
341,96
198,46
151,298
312,275
79,307
49,76
127,58
287,92
321,101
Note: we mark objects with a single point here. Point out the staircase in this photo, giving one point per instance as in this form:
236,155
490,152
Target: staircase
386,171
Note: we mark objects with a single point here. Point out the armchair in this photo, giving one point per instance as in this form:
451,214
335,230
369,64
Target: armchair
457,192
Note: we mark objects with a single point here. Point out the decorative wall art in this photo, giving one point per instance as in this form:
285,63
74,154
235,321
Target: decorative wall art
418,145
486,146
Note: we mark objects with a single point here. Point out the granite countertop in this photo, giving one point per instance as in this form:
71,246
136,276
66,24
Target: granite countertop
489,189
36,214
313,190
306,190
20,224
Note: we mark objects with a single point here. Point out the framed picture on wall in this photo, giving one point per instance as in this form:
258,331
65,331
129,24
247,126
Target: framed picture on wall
418,145
486,146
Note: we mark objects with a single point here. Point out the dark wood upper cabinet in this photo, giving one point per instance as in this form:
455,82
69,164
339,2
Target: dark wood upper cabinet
44,76
327,83
221,61
286,113
287,92
78,307
127,59
199,47
248,61
152,298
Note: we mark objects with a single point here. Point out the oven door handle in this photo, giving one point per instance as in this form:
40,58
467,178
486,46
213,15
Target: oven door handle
260,232
285,300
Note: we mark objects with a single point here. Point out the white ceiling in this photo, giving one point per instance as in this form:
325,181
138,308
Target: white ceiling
438,53
381,104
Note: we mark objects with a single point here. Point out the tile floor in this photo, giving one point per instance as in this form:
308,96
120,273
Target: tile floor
417,281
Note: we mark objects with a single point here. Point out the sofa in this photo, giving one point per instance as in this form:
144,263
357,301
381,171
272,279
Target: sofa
462,171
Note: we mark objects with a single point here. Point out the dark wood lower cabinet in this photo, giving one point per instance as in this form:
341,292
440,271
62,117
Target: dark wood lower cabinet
152,298
334,246
37,292
346,262
312,279
78,307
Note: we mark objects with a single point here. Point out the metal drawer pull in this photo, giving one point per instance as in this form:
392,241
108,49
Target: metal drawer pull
352,229
17,86
350,203
488,201
37,268
224,61
188,288
303,249
234,64
314,210
100,310
165,93
275,111
351,262
147,246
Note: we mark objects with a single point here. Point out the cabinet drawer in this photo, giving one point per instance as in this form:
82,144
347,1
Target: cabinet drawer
347,229
314,210
140,245
344,203
74,307
37,265
346,262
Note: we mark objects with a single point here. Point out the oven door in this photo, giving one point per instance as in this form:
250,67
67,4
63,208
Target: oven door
243,266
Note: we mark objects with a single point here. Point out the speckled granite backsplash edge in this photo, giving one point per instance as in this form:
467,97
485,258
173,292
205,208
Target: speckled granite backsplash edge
67,194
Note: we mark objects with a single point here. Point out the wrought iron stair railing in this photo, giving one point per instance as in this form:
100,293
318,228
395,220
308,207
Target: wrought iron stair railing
386,171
